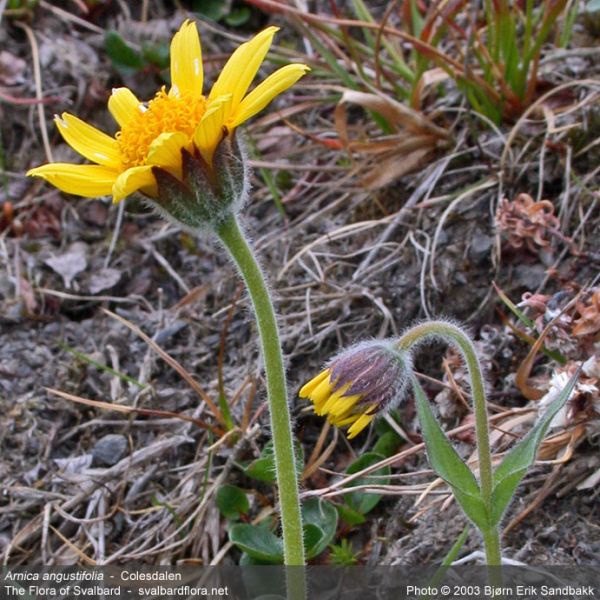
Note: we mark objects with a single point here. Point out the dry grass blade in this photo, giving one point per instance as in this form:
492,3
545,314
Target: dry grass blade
82,555
404,454
394,155
535,107
563,444
173,364
395,166
397,115
147,454
133,410
340,233
38,87
524,370
548,487
318,455
423,47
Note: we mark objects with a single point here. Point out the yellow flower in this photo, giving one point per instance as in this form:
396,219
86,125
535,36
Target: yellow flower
362,381
154,134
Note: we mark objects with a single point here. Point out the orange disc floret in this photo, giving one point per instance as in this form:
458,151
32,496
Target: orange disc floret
164,114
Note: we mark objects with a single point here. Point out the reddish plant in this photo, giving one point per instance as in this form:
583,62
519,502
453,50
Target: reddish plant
527,222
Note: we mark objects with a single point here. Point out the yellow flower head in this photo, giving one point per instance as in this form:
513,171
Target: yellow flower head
155,134
362,381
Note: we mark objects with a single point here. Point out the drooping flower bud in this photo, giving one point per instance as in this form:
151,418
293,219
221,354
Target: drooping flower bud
359,383
206,194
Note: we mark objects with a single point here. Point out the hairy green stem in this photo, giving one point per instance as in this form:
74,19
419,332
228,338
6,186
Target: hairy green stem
491,542
287,478
456,336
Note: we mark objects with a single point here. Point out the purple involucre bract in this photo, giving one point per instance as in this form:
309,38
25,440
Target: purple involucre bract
375,370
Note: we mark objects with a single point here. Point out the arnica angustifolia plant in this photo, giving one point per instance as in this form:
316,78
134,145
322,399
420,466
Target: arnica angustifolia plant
370,378
181,153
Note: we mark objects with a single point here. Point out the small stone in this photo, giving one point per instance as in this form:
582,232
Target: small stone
36,358
480,247
52,329
110,449
7,288
69,263
529,276
104,279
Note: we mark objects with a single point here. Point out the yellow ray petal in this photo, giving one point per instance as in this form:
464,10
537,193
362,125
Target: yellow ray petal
241,68
89,141
359,425
186,61
320,394
123,106
337,403
342,421
81,180
343,405
165,151
263,93
308,388
210,132
132,180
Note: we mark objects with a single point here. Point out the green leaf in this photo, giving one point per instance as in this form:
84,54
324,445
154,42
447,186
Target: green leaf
232,502
257,542
452,555
511,471
417,19
446,462
329,57
211,9
320,523
312,538
349,515
260,544
121,53
360,501
238,17
157,54
387,444
363,14
363,502
554,355
263,468
248,561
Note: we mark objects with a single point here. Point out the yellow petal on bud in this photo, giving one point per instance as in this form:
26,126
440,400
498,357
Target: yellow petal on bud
320,394
359,425
308,388
343,405
342,421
